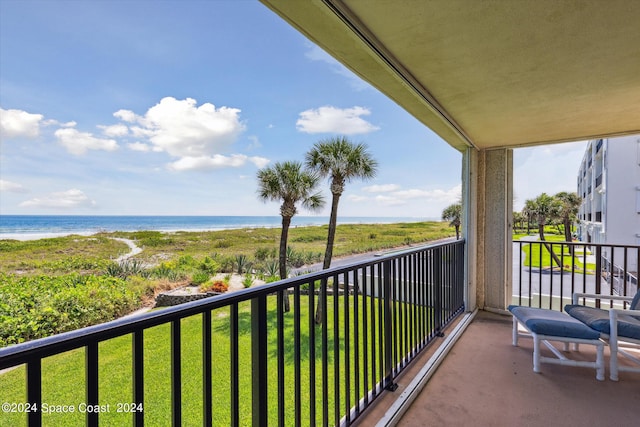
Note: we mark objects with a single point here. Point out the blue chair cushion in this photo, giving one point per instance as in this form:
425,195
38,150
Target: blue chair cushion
598,319
635,303
552,323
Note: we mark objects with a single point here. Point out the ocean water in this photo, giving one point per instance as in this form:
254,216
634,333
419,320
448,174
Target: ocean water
27,227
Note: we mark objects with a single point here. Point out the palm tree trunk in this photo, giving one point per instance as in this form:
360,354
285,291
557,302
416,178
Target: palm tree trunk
567,235
331,235
554,256
328,253
284,235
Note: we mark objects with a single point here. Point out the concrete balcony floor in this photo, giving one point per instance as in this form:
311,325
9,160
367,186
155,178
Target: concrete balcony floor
485,381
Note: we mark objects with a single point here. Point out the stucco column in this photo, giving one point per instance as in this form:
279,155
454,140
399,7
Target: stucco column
487,195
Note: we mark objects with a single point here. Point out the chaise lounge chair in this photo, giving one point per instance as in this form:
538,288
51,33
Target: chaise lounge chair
620,327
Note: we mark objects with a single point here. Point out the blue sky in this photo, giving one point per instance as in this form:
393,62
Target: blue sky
171,107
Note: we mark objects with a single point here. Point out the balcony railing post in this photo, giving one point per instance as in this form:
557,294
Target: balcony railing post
259,360
437,290
91,368
388,326
598,272
34,391
138,376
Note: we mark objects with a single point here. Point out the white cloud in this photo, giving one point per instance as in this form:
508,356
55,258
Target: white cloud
356,198
437,196
182,129
18,123
215,162
126,115
12,187
381,188
78,143
139,146
260,162
389,200
114,131
328,119
73,198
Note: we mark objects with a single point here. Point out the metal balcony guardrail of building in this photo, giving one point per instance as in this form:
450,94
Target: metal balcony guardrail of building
378,315
599,146
538,280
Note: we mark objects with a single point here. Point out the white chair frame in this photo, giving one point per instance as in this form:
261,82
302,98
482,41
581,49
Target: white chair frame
618,346
560,358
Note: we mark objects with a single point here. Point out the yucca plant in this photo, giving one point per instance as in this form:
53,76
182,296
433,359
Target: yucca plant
242,263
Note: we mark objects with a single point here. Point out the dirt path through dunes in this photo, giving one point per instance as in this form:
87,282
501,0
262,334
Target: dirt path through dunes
135,250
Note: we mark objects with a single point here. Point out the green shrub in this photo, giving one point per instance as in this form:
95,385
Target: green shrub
126,268
151,239
200,277
186,261
247,281
39,306
242,263
208,265
262,254
271,268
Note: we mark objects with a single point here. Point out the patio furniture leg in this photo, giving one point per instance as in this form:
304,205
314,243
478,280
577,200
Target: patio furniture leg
536,354
613,346
600,362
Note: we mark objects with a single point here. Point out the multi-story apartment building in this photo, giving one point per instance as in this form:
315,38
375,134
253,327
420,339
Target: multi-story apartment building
609,185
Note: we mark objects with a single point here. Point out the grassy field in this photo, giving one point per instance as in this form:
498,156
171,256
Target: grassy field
50,286
63,375
538,255
91,254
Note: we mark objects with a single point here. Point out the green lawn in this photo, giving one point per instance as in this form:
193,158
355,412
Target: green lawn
537,255
63,375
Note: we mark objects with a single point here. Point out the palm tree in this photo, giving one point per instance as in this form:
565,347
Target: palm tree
518,221
545,208
290,183
341,161
453,213
569,210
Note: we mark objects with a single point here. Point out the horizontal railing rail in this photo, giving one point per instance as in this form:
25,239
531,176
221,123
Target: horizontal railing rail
378,315
541,280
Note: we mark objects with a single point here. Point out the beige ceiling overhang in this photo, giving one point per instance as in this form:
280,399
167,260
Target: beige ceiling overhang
490,74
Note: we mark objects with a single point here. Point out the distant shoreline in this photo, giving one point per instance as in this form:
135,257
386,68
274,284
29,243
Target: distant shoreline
28,227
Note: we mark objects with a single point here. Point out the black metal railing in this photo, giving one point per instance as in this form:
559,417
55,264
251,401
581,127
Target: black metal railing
378,315
541,281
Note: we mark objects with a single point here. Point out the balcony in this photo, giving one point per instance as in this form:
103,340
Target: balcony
483,371
485,381
388,326
272,368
